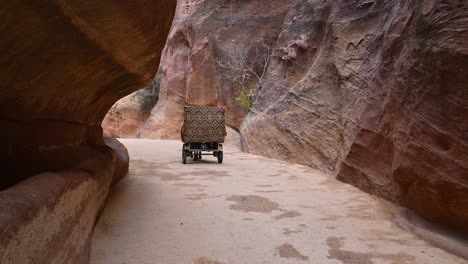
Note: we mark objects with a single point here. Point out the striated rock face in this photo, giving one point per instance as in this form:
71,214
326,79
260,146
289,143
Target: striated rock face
49,218
305,113
125,118
64,64
189,73
376,93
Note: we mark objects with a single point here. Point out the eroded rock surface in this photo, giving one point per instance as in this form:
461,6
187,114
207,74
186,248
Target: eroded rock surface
189,73
375,93
125,118
64,64
49,218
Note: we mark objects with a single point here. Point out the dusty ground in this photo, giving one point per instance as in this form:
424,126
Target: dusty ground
248,210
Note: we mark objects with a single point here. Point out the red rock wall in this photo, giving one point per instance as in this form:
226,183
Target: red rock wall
415,129
376,93
189,72
64,64
49,218
125,118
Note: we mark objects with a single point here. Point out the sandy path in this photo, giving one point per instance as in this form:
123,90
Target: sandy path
248,210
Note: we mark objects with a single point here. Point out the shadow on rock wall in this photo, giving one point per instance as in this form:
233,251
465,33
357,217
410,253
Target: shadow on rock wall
64,64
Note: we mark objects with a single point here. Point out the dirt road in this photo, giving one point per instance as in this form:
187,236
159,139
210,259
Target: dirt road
247,210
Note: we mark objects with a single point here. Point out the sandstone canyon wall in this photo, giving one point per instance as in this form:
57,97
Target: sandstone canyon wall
64,64
125,118
201,32
374,92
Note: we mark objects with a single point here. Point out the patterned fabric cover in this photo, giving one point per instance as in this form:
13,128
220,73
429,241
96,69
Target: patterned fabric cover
203,124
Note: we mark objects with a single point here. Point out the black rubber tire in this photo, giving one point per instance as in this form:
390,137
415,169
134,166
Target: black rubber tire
184,156
220,157
199,155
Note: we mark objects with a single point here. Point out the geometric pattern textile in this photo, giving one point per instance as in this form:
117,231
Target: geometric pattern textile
203,124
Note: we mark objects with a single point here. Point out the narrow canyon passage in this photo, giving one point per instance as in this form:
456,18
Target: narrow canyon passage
247,210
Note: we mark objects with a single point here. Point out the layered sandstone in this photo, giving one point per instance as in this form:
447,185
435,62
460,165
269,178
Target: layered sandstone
375,93
49,218
125,118
201,32
64,64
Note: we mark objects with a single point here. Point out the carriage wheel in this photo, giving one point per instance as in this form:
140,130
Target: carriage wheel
184,156
199,155
220,157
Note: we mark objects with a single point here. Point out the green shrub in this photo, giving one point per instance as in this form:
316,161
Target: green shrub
247,98
148,96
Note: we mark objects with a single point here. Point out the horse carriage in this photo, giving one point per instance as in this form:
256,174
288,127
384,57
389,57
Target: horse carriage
203,133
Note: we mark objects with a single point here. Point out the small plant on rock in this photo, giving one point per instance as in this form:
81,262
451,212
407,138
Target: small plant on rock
244,64
148,97
247,98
